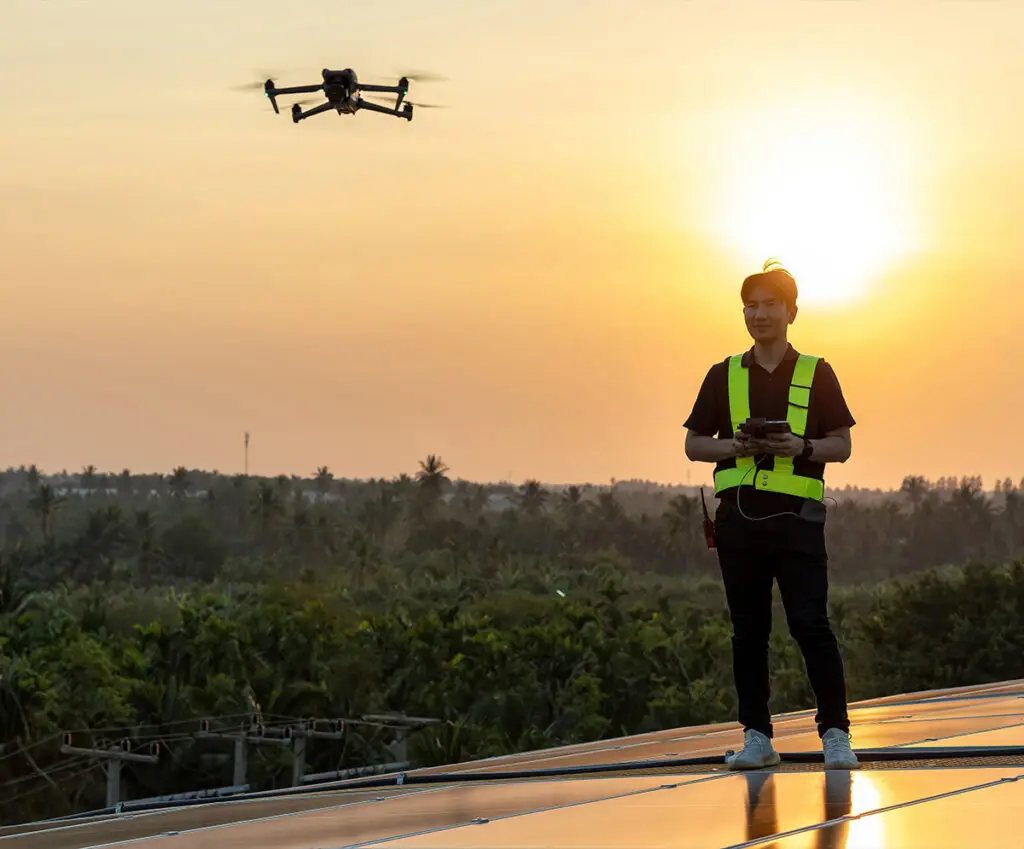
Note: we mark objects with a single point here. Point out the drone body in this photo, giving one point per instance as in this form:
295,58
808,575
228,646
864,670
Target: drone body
343,92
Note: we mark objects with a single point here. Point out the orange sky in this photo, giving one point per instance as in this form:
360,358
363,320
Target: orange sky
530,283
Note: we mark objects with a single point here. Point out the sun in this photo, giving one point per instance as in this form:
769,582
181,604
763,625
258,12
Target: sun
822,186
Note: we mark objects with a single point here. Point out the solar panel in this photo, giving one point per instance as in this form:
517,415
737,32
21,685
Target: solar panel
729,810
987,814
939,769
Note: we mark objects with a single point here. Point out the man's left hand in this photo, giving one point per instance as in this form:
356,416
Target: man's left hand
785,444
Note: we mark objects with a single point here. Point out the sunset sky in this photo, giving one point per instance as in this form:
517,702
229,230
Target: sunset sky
531,282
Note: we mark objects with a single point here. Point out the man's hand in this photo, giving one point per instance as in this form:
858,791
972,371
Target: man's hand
747,446
784,444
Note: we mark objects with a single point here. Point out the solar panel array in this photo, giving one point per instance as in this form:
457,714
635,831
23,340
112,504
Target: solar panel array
941,769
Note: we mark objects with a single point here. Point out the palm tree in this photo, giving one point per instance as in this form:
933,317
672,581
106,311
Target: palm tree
87,479
532,497
680,519
144,537
432,475
179,483
916,487
100,541
609,510
43,502
267,506
571,504
284,486
124,483
364,553
432,478
324,478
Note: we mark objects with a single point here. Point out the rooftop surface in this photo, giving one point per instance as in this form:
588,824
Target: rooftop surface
940,769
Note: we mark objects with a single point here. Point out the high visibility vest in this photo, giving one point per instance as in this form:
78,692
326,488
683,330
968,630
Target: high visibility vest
780,478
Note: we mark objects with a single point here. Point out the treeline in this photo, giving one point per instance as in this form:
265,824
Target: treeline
194,525
519,618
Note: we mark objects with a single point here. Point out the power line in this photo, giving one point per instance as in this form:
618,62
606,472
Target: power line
35,790
115,757
29,747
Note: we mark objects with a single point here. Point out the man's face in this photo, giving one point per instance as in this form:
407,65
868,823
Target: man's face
766,314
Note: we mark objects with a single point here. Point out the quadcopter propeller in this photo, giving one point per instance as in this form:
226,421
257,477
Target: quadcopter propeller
423,77
256,84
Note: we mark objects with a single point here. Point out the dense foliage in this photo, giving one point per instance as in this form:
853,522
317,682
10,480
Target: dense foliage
522,617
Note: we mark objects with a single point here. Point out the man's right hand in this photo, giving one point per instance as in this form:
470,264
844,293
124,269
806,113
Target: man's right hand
746,446
702,448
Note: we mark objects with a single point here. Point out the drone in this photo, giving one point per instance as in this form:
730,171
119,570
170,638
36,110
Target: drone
344,95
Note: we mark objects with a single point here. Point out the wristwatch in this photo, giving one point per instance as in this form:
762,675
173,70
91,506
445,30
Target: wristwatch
808,449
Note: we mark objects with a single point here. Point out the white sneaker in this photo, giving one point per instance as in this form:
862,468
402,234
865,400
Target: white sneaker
757,752
838,754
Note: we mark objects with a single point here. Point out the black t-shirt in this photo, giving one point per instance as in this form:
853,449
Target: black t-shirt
769,397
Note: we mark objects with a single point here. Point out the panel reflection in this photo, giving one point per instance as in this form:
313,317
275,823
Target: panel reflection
781,810
843,794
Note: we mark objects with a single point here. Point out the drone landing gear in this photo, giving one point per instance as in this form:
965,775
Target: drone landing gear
398,113
298,114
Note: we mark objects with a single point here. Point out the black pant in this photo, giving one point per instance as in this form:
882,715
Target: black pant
752,556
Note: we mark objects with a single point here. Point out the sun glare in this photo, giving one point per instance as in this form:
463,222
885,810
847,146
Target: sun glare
825,190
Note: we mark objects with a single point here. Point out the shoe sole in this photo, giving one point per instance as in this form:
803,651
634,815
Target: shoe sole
774,760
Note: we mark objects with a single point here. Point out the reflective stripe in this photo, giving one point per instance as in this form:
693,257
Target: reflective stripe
799,399
780,478
739,411
771,481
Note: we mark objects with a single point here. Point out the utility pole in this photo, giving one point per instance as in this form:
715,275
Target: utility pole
307,731
257,735
247,453
403,725
115,756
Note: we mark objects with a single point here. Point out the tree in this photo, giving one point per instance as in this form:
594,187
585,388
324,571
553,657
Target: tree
324,478
87,479
179,483
43,503
532,497
432,478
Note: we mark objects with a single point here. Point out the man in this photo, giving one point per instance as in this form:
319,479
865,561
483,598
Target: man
770,521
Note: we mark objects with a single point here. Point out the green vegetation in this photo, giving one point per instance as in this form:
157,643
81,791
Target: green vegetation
521,617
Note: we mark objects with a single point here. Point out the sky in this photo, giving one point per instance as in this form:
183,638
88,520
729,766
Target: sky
531,282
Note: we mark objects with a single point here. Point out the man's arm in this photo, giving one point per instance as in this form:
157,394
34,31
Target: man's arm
835,421
702,446
835,418
709,449
702,424
835,447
